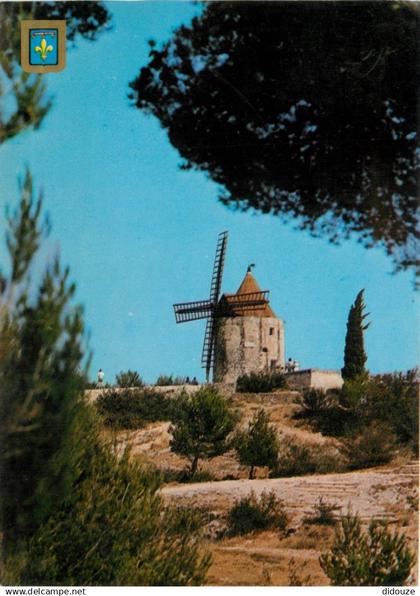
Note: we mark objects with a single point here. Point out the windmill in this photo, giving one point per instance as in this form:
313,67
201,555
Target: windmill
229,305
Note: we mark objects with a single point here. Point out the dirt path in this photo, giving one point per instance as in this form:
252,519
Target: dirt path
371,493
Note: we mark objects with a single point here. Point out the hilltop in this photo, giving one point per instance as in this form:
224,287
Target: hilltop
270,558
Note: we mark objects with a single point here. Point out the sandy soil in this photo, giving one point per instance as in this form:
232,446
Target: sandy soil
269,558
379,492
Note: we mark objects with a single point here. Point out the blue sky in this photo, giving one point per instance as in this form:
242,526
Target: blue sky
139,234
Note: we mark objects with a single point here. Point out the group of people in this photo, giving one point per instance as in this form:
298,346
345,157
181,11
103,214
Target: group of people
292,365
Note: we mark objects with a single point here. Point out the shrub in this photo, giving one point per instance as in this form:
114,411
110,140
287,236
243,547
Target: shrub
372,558
315,401
165,380
394,399
184,476
130,378
260,382
41,338
132,408
199,476
114,530
374,445
186,520
72,513
391,399
323,513
258,445
326,411
354,395
201,425
250,514
299,459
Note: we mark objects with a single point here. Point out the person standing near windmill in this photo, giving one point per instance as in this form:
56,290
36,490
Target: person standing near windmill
101,376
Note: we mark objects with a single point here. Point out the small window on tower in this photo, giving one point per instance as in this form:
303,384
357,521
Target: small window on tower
264,350
271,330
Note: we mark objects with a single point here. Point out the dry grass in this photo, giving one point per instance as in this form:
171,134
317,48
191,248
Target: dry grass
266,558
260,559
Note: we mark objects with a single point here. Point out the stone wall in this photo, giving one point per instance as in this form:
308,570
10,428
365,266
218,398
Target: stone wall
170,390
314,378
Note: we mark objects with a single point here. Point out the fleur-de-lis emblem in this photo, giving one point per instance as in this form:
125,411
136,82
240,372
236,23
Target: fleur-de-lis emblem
43,49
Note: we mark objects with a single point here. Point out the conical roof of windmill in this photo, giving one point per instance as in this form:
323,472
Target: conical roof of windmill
248,287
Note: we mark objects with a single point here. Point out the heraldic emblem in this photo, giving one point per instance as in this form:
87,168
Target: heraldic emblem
43,46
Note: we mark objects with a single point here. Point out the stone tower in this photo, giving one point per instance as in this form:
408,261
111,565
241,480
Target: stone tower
250,341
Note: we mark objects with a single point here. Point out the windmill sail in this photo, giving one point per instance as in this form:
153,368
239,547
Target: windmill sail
219,262
207,356
207,309
192,311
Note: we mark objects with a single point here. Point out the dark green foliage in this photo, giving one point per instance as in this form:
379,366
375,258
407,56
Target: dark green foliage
113,530
26,93
323,513
91,384
316,123
325,412
258,445
130,378
372,558
374,445
353,394
388,402
299,459
40,382
394,399
315,401
354,350
187,521
202,424
260,382
250,514
165,380
25,230
184,476
72,511
199,476
132,408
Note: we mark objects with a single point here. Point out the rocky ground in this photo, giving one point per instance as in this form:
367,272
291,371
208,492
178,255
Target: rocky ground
269,558
272,558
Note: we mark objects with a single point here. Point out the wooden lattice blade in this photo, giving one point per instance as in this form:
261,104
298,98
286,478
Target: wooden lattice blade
219,261
192,311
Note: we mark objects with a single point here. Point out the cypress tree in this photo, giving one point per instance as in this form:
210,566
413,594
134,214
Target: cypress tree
354,351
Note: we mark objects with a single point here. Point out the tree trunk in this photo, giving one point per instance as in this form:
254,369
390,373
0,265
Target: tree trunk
251,472
194,465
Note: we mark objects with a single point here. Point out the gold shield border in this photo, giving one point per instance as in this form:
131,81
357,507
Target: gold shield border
25,27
